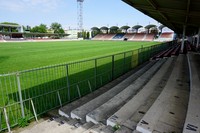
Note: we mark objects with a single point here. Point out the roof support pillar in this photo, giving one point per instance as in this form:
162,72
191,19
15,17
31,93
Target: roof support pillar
193,40
198,38
190,39
183,39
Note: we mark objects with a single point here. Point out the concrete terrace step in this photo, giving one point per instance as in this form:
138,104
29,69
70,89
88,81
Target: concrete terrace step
136,131
124,130
130,108
95,129
104,111
92,128
83,128
192,122
108,129
82,111
73,122
168,112
66,110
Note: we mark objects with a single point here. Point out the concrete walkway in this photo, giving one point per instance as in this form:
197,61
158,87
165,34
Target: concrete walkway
192,122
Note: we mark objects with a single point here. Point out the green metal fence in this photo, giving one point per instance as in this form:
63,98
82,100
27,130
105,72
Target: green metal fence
33,92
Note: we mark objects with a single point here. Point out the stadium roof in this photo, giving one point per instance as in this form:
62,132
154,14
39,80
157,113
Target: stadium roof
95,28
114,28
9,25
161,27
125,27
150,26
137,27
172,13
25,33
104,28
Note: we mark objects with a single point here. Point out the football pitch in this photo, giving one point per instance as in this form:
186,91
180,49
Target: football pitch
27,55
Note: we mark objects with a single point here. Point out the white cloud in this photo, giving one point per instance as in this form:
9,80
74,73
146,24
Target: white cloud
22,5
10,5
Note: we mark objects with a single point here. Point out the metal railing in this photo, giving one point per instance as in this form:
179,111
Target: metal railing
31,93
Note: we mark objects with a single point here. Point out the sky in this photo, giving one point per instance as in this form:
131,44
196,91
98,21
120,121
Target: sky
95,13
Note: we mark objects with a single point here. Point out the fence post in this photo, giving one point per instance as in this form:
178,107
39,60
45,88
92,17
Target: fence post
131,59
124,63
143,55
139,58
20,94
113,67
78,89
149,53
89,86
7,121
68,83
59,98
34,111
1,112
95,73
101,80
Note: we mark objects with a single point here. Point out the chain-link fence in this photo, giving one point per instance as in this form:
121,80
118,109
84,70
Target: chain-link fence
30,93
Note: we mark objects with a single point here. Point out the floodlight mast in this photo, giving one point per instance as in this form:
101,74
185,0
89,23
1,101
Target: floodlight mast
80,15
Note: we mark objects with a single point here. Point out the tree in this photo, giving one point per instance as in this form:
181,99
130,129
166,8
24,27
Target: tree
35,29
57,28
42,28
88,35
79,34
61,31
84,35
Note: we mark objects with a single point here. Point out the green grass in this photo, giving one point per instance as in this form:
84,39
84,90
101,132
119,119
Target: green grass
28,55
